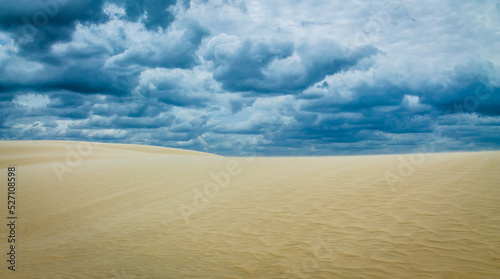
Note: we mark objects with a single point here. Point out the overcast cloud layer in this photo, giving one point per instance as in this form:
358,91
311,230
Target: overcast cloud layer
237,77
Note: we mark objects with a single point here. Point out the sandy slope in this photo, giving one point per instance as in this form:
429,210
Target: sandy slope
122,211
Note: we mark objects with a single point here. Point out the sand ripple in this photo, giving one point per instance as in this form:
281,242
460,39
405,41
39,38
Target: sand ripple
118,216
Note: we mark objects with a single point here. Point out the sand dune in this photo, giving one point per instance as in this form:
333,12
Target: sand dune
124,211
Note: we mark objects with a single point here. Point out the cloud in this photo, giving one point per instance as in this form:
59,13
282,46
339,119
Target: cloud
36,25
174,48
32,101
106,59
184,88
278,66
472,87
153,13
240,77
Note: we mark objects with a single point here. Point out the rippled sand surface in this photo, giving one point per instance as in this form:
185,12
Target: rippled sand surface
123,211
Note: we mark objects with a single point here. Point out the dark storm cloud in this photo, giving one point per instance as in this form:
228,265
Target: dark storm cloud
364,96
279,66
87,79
176,95
470,89
239,66
76,75
240,103
36,25
158,15
94,68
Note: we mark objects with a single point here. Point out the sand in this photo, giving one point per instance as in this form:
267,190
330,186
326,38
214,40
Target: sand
126,211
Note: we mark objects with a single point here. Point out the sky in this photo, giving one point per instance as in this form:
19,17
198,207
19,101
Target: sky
270,78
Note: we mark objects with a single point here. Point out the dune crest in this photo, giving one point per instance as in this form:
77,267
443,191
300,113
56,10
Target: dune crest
33,152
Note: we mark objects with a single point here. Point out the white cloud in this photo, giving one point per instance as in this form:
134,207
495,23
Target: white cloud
32,101
413,103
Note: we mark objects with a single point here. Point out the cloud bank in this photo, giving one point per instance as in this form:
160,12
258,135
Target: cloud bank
237,77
